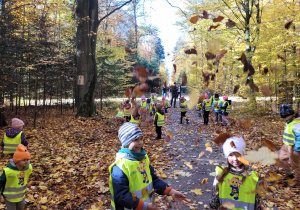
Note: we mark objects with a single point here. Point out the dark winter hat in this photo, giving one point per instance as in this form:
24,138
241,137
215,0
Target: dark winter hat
286,110
128,132
216,95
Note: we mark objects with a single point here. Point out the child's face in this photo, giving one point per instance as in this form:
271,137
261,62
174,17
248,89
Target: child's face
22,164
233,159
136,145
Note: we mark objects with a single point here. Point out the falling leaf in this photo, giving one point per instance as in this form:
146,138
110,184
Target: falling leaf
191,51
196,141
245,123
128,50
221,54
242,160
194,63
228,205
128,92
194,19
221,138
236,88
213,77
210,56
209,149
140,71
274,109
288,24
205,15
213,27
201,154
218,19
266,90
280,57
137,91
144,87
184,80
197,191
230,23
270,145
253,86
263,156
265,70
174,67
201,97
204,181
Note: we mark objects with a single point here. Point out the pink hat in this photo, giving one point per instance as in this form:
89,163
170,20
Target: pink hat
205,96
143,97
225,98
16,123
163,98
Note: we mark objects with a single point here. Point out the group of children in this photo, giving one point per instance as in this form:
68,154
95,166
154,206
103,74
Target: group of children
220,107
133,182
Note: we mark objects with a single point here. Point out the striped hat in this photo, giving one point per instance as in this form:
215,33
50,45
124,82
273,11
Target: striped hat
128,132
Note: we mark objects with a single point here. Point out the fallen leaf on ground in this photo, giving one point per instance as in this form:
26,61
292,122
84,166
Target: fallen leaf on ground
209,149
204,181
197,191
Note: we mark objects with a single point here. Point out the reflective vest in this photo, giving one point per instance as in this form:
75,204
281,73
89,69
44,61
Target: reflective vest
150,107
132,120
183,109
228,106
144,104
288,134
11,144
139,179
160,119
233,190
168,105
16,184
120,114
198,107
207,105
126,113
217,108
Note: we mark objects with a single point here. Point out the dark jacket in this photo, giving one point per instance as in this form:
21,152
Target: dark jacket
122,196
174,90
13,132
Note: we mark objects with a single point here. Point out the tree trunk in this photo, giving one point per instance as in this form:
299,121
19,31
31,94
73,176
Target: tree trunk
86,35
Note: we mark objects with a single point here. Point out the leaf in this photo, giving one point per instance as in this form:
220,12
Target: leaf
144,87
212,77
167,138
253,86
221,138
43,200
194,19
264,156
137,91
232,144
274,109
265,70
270,145
236,88
201,154
197,191
245,123
209,149
266,90
194,63
280,57
170,133
242,160
221,55
273,177
140,71
230,23
184,80
128,92
204,181
201,98
213,46
210,56
128,50
207,144
189,165
288,24
213,27
205,15
243,59
191,51
218,19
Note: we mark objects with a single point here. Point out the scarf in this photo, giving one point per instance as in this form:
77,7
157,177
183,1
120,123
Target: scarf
137,155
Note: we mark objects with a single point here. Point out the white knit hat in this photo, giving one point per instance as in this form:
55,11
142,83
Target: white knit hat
128,132
238,145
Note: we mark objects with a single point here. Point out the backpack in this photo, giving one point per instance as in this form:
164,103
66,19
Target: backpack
148,100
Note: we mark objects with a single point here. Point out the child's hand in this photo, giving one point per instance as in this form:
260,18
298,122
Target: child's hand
178,197
153,206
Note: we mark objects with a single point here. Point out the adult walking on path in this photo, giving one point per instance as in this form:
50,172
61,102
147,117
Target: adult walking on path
173,91
179,91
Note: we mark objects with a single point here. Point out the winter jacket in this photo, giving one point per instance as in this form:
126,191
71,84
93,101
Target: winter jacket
174,90
13,132
120,183
13,166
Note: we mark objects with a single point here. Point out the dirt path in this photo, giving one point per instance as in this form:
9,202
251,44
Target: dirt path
188,171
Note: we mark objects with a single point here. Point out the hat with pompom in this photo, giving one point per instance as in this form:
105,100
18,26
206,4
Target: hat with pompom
21,154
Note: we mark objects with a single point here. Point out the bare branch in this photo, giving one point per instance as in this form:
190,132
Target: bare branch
237,17
178,8
239,9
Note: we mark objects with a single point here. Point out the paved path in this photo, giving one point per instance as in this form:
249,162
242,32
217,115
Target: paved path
188,170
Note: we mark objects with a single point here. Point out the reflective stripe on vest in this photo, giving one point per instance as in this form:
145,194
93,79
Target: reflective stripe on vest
16,184
139,178
288,134
160,119
207,105
233,190
126,113
132,120
11,144
144,104
185,107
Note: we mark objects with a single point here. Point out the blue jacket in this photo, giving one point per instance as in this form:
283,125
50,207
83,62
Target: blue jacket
123,197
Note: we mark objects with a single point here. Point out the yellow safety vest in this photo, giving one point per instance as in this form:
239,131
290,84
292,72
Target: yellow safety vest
288,134
139,178
150,107
160,119
233,190
217,108
198,106
11,144
168,105
228,106
16,184
132,120
126,113
144,104
207,105
185,107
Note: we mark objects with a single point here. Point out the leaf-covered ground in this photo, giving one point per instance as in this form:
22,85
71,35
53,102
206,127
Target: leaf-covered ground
71,156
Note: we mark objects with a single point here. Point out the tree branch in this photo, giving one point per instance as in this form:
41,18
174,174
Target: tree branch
229,18
178,8
111,12
237,17
239,9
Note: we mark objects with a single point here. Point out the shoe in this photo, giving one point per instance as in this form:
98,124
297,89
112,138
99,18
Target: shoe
156,138
187,122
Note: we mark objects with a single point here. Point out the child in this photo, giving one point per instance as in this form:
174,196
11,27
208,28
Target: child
120,117
183,109
132,180
289,154
225,109
135,118
159,121
217,105
143,107
14,178
126,112
234,182
199,108
166,103
206,108
13,137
